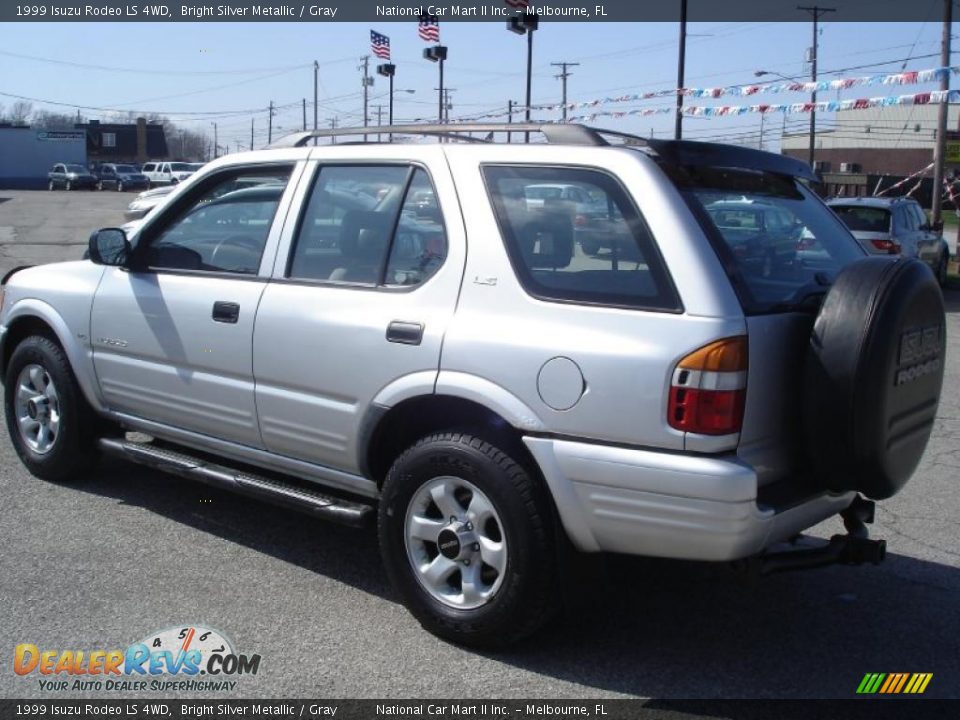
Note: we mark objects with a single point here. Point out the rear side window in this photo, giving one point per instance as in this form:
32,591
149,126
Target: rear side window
595,250
370,225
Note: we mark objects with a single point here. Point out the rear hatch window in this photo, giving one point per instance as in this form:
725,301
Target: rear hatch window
863,219
780,243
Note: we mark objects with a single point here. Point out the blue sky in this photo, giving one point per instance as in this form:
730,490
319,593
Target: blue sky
233,70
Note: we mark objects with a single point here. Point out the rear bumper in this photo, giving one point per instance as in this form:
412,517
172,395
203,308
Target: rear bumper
644,502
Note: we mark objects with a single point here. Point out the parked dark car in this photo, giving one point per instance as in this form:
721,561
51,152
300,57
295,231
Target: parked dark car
120,178
763,236
70,176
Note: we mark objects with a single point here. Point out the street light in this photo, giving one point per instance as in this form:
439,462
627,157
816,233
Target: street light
526,25
761,73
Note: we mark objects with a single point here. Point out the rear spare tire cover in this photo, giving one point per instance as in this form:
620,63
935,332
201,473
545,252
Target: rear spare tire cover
873,374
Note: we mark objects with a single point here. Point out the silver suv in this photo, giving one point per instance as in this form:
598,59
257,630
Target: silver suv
895,226
298,325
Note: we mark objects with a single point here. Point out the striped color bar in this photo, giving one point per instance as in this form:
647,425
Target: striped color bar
894,683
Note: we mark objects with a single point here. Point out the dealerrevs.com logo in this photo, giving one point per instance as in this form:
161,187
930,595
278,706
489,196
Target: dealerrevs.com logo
182,658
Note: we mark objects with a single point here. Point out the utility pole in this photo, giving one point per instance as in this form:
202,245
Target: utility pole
563,79
681,61
251,133
445,105
379,119
316,81
270,125
510,105
939,149
760,144
367,82
304,114
333,126
216,147
816,11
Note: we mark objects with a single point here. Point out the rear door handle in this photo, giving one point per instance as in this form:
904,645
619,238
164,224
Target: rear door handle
405,333
226,312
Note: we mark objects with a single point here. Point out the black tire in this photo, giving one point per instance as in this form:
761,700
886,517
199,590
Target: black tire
74,450
942,269
99,186
51,186
874,372
119,186
528,593
68,185
590,247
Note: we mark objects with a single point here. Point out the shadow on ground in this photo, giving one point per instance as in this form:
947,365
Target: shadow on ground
641,626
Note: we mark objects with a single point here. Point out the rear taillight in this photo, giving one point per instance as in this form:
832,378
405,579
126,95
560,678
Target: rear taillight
709,389
887,246
580,220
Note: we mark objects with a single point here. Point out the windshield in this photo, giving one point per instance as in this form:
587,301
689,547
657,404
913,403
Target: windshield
76,168
181,167
126,169
863,219
782,241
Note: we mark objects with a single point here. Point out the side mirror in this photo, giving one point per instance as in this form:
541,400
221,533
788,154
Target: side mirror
109,246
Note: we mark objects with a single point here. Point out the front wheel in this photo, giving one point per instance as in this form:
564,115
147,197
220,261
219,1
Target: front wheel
68,185
47,416
467,538
119,186
51,186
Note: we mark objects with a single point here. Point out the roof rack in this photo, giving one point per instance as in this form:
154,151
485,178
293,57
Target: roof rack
555,133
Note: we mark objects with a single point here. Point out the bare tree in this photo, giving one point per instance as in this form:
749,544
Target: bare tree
46,120
20,112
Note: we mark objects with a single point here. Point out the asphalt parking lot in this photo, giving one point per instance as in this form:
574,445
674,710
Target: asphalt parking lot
104,562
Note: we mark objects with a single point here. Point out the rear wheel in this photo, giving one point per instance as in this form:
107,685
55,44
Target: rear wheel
49,421
467,538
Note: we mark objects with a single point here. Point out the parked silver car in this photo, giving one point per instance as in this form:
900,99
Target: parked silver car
297,325
146,201
895,226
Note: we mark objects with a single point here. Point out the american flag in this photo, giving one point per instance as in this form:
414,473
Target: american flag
380,45
429,28
517,3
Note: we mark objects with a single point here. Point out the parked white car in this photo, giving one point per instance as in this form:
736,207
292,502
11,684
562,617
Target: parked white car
167,173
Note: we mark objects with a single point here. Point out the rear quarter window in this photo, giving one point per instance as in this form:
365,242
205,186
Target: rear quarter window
595,251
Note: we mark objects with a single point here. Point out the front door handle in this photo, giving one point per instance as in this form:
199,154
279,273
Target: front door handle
405,333
226,312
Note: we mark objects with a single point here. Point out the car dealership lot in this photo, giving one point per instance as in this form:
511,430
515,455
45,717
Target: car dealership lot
128,551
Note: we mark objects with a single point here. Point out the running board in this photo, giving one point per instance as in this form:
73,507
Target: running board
274,491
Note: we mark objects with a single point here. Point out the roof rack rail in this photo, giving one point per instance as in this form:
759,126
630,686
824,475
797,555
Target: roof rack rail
556,133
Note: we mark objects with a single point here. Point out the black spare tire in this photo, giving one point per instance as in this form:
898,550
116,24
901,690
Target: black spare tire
873,375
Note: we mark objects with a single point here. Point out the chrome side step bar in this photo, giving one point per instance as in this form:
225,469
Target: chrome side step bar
278,492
